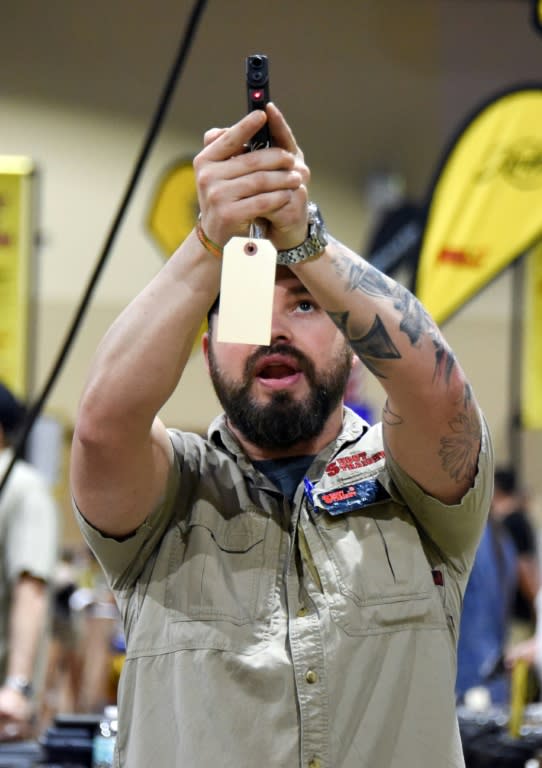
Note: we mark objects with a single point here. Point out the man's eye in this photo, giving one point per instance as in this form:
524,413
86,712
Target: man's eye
305,306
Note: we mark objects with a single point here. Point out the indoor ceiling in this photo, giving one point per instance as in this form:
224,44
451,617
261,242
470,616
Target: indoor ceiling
367,85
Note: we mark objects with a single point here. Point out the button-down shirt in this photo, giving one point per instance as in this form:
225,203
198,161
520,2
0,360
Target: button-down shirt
317,634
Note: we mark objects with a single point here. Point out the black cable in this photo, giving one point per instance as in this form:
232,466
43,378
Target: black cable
34,411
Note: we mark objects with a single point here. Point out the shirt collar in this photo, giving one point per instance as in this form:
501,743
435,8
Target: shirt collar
352,429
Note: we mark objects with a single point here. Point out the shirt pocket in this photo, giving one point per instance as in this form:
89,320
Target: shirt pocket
376,575
221,580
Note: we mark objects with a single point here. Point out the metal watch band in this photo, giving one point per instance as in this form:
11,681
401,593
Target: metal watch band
20,684
314,244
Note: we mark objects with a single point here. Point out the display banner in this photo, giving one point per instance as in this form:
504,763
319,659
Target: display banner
174,207
16,200
531,378
486,206
173,213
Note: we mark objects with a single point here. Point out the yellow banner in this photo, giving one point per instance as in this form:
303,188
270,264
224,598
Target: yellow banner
174,207
173,213
16,175
486,207
531,380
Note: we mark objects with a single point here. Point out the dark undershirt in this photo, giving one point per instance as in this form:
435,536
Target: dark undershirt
287,473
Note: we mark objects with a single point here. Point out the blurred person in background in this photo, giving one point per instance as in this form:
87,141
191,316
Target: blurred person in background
509,505
64,663
486,616
28,554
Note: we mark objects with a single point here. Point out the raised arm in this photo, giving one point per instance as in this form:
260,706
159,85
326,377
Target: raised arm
430,420
121,453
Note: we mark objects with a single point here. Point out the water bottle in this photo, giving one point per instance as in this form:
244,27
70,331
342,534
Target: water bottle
103,745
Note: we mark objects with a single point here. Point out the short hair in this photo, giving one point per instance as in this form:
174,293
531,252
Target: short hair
12,411
213,310
505,480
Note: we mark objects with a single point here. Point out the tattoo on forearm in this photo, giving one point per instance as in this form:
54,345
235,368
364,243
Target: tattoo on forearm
376,345
369,280
415,322
341,321
459,452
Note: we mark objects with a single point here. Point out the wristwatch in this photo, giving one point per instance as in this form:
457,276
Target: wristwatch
312,246
20,684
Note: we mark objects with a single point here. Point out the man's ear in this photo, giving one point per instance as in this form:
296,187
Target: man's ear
357,366
205,348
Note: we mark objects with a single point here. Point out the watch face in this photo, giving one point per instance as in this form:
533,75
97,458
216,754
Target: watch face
314,213
314,244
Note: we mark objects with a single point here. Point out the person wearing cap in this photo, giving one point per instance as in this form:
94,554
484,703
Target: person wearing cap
28,555
290,585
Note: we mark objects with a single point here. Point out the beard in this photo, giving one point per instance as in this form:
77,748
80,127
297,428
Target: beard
283,421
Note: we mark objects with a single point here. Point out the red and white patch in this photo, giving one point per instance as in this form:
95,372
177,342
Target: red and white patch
356,461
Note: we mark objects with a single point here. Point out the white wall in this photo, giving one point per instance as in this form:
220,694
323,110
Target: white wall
388,84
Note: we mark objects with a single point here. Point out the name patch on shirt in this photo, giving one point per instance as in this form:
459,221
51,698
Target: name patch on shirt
340,501
353,462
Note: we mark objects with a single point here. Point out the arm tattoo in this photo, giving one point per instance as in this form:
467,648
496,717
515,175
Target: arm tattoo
459,452
375,345
341,321
389,417
363,277
415,322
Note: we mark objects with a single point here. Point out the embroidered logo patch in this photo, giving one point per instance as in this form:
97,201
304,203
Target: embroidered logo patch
356,461
340,501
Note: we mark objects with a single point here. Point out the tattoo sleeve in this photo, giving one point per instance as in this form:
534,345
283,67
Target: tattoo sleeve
413,321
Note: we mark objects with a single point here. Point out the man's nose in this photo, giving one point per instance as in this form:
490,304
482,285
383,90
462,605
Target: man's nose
281,329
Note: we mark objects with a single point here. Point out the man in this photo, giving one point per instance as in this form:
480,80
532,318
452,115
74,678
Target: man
28,550
509,506
290,587
486,616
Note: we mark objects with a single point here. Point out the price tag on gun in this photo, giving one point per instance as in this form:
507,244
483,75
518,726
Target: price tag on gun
247,288
249,264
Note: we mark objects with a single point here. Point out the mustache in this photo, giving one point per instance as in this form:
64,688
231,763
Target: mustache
304,363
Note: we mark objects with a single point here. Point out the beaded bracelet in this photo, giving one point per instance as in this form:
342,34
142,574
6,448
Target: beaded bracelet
208,244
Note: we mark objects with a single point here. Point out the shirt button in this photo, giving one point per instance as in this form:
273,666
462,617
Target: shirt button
311,677
315,763
302,611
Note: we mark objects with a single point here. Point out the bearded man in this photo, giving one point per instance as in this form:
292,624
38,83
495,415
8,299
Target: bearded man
291,585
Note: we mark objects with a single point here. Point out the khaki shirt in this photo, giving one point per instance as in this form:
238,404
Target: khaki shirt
318,634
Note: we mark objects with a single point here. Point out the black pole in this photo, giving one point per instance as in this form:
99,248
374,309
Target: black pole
515,371
148,143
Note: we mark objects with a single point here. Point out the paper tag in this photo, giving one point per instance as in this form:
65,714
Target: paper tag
247,289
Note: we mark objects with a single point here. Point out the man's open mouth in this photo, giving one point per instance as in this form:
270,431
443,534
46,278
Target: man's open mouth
276,367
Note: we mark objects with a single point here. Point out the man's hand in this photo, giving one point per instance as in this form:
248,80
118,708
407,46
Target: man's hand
16,715
236,187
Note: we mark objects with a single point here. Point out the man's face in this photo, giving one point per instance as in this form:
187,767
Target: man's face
280,395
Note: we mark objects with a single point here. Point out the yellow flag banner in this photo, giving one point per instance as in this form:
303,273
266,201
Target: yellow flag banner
16,174
173,212
531,379
486,206
174,207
